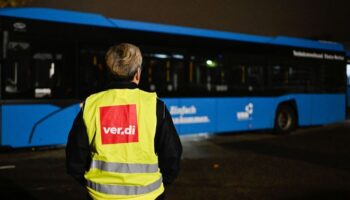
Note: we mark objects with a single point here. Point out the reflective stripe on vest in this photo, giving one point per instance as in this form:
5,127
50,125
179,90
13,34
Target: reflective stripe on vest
124,190
124,167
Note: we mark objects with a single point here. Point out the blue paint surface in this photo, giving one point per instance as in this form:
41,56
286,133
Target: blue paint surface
36,125
64,16
245,113
55,15
313,44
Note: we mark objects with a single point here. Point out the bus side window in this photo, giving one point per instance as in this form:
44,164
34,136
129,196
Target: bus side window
52,76
294,77
245,73
17,73
206,73
300,77
255,77
37,72
162,72
331,79
178,72
278,75
155,72
92,72
45,70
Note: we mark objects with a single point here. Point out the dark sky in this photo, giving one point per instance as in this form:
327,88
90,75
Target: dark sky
322,19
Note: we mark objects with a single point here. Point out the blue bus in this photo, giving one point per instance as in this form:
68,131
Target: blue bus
212,81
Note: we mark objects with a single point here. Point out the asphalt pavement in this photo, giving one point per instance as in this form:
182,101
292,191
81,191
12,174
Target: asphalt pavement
310,163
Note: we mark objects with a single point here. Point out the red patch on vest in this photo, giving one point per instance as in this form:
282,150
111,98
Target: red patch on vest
118,124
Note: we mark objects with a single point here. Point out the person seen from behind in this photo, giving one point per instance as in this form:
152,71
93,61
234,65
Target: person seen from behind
123,143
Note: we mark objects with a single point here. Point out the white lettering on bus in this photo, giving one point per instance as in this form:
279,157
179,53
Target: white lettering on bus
325,56
119,131
184,110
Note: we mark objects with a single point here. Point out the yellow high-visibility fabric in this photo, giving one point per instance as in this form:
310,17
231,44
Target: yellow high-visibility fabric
135,154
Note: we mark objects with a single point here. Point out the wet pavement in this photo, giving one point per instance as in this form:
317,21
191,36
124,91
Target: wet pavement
310,163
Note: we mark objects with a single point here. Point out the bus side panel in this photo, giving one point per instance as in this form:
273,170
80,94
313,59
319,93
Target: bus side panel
193,115
209,115
263,116
36,125
303,107
328,109
233,115
317,109
59,123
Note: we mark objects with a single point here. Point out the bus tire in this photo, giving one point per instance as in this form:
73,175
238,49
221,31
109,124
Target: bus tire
285,119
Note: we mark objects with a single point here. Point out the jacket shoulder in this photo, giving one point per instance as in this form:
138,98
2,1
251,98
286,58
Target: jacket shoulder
93,98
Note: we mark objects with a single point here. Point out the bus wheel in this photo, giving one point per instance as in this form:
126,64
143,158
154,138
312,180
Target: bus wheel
286,119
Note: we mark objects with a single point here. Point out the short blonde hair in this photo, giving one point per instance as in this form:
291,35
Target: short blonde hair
123,60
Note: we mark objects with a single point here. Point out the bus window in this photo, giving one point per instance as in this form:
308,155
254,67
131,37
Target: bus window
206,74
33,72
244,73
52,76
299,77
326,78
278,76
290,77
255,78
218,73
92,71
332,81
45,74
17,71
162,72
235,75
178,77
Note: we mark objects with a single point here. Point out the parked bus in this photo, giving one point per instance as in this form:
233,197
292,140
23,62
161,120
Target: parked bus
212,81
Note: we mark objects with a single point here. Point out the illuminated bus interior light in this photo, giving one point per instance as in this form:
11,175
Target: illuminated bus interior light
211,63
161,56
178,56
42,92
221,88
94,60
52,70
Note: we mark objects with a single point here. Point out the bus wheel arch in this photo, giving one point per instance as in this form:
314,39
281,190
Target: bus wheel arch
286,117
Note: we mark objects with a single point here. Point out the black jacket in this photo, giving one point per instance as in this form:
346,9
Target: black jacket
167,144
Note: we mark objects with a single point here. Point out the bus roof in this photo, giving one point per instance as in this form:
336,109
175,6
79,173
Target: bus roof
74,17
180,30
48,14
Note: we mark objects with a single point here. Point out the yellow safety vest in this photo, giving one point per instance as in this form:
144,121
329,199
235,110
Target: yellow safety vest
121,126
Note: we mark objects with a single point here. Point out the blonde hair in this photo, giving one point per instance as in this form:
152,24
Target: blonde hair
123,60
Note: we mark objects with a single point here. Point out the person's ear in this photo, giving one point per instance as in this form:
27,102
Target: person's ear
137,76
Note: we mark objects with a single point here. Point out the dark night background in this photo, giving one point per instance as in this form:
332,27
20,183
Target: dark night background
322,20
